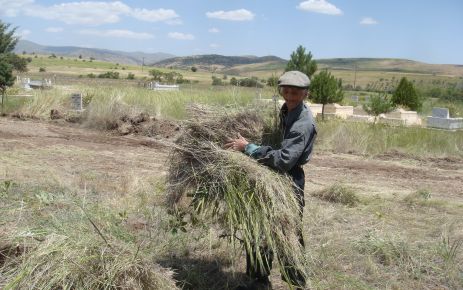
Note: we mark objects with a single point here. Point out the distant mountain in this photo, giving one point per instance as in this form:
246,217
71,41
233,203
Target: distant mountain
215,61
99,54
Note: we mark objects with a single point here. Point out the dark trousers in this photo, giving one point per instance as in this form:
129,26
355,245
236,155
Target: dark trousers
261,270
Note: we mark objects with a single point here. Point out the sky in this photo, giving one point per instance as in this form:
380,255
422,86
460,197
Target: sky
430,31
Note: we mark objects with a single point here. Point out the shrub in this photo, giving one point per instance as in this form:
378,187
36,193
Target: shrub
250,82
216,81
109,75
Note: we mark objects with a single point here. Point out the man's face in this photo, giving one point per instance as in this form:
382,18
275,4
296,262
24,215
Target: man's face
293,96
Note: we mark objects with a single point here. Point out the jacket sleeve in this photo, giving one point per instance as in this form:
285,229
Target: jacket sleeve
285,158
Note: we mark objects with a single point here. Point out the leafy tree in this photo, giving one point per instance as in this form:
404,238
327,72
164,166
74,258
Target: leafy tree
378,104
157,74
194,69
406,95
130,76
302,61
7,44
7,39
325,89
6,77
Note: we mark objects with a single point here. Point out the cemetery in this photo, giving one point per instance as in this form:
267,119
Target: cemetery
127,182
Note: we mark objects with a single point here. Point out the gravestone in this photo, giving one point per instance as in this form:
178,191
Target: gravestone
76,101
440,113
355,98
441,119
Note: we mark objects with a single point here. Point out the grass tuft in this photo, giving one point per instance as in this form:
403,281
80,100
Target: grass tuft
339,193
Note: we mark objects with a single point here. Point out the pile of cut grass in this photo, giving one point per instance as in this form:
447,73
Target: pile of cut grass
251,202
53,240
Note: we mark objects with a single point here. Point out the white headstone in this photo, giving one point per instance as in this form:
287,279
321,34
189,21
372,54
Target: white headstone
440,113
76,100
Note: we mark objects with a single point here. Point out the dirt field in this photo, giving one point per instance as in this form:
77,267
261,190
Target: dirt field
40,153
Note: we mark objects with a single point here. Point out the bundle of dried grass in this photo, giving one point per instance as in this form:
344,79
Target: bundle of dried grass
249,200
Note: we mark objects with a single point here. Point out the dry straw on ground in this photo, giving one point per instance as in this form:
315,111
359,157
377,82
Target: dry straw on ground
251,201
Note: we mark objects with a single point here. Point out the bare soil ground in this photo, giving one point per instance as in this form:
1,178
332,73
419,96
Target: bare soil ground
39,153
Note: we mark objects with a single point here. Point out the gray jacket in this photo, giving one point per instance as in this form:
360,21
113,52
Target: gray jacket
299,134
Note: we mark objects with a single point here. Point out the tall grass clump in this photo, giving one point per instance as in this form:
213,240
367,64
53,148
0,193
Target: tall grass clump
104,112
363,138
42,101
388,251
250,201
57,241
171,104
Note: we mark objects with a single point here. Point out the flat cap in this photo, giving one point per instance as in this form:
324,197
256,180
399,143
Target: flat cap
295,79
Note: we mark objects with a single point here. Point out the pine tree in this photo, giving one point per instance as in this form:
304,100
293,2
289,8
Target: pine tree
302,62
406,95
8,42
6,77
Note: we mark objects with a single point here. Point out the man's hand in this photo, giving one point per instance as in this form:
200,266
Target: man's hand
237,144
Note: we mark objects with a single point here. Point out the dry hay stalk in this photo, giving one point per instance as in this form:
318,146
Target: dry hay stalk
61,262
245,197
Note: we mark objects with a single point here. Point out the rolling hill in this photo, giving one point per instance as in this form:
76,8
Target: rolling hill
217,62
237,65
240,65
122,57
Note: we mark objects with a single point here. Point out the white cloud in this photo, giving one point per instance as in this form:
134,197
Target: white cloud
319,6
181,36
119,33
368,21
214,45
54,29
23,33
214,30
234,15
13,8
87,12
154,15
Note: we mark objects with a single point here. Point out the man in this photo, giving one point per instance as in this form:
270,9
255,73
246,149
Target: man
299,133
